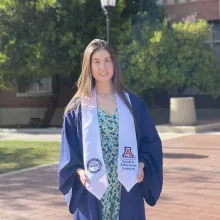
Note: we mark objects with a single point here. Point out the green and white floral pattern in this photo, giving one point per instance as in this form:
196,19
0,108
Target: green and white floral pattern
109,139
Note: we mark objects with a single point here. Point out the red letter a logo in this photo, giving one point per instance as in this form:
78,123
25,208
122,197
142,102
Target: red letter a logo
128,153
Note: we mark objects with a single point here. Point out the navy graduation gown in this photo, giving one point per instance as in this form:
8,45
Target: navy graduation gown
81,202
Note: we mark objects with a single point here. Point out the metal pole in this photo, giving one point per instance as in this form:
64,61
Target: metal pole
107,22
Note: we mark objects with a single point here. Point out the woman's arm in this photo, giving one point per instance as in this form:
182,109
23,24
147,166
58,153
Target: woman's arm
150,154
70,160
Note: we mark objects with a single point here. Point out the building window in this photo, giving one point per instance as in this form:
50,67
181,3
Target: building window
170,2
40,88
214,40
160,2
181,1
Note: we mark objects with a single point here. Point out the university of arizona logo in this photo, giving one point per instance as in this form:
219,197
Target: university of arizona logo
127,153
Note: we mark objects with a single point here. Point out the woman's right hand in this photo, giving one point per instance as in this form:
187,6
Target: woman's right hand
83,177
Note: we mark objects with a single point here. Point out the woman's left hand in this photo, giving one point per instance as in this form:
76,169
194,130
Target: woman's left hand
140,176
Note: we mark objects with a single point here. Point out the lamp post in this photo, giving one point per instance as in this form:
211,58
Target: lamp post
105,5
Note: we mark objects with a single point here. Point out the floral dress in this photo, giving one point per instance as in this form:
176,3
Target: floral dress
109,139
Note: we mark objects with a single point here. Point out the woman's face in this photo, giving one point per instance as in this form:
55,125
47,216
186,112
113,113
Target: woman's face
102,66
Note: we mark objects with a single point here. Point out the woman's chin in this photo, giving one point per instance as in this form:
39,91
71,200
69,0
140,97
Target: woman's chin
103,79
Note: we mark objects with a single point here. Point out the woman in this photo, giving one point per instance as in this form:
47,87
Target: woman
111,154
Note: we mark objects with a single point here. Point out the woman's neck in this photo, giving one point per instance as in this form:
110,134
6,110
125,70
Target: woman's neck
106,88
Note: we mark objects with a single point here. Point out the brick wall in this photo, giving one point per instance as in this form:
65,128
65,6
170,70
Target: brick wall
178,9
10,100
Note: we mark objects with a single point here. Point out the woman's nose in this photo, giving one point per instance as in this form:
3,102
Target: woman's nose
102,66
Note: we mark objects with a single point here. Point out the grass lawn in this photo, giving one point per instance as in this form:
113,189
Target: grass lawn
16,155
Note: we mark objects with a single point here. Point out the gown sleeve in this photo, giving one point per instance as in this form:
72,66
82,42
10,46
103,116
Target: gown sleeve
150,153
70,160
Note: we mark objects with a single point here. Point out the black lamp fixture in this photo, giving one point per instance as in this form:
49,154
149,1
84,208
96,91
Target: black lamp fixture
106,4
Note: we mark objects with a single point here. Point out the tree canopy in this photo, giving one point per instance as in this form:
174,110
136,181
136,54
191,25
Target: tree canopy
41,38
166,56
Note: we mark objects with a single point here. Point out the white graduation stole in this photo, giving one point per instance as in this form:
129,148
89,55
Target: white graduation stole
92,149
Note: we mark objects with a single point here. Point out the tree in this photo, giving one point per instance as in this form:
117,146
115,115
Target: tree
2,86
167,56
40,38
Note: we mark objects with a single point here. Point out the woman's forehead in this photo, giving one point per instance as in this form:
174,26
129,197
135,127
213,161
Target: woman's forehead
101,54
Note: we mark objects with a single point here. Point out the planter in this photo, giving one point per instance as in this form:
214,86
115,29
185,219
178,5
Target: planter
182,111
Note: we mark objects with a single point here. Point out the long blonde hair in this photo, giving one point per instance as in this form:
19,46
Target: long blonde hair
86,82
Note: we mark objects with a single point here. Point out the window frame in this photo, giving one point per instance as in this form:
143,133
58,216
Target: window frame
32,93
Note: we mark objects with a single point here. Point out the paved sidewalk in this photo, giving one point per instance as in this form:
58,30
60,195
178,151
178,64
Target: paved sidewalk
191,179
29,136
191,185
44,136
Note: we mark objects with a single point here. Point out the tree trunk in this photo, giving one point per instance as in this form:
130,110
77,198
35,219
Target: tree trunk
181,90
53,102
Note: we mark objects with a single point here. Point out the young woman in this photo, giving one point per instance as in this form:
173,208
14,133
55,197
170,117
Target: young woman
111,154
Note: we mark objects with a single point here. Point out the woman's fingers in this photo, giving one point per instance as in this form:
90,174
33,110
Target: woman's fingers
83,177
140,179
140,176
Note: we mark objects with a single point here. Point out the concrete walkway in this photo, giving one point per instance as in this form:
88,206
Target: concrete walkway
191,183
54,135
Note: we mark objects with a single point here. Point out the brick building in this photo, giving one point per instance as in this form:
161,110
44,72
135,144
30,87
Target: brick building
206,9
18,108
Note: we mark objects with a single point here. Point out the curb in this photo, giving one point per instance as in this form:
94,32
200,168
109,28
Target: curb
164,128
169,128
26,169
32,131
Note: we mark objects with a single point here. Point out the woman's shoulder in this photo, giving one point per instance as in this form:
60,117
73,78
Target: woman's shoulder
72,108
135,98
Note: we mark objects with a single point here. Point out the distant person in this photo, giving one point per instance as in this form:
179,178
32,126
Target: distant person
111,154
